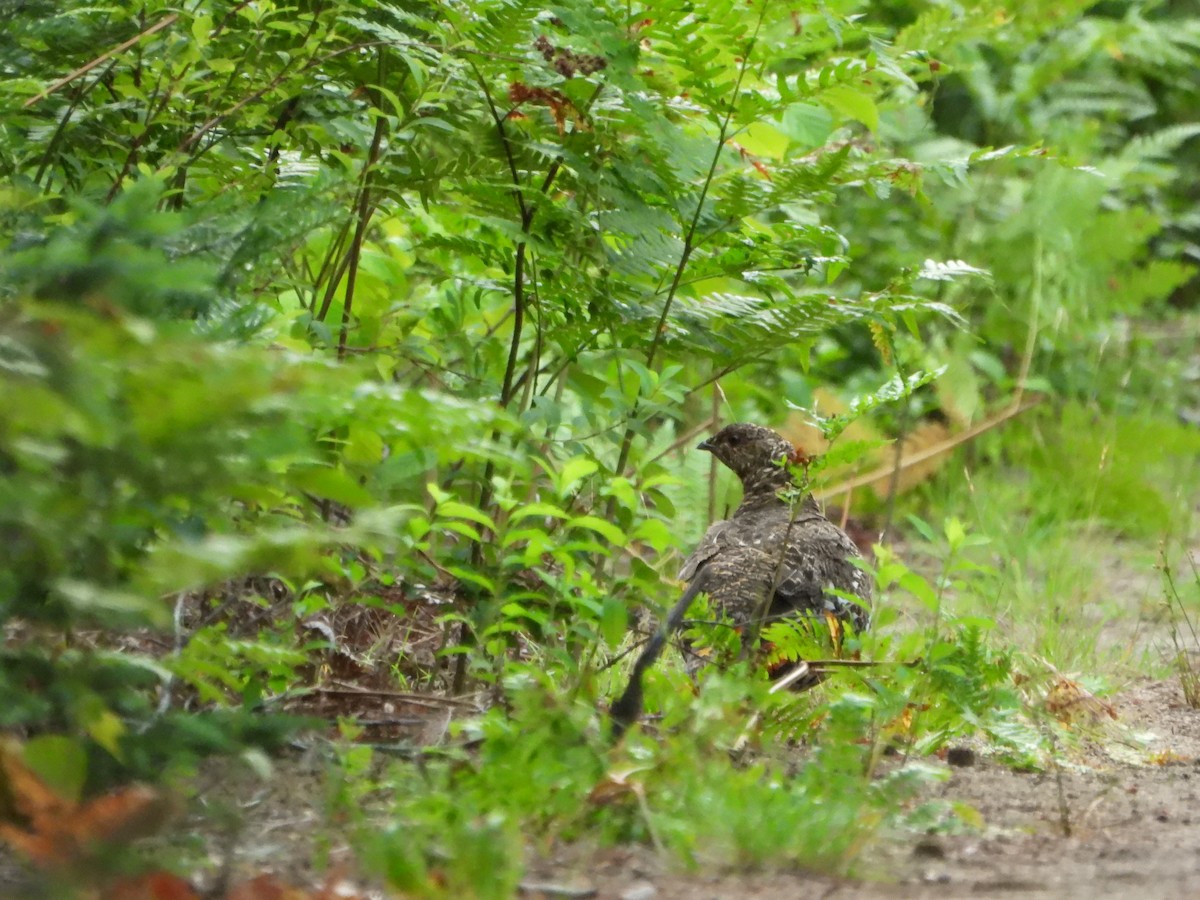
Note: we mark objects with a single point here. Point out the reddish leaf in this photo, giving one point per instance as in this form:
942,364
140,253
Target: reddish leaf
152,886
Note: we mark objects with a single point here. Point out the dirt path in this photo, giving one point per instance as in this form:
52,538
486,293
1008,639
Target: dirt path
1134,832
1133,829
1133,815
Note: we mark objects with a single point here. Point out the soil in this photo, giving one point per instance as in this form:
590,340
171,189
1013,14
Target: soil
1118,828
1125,821
1121,819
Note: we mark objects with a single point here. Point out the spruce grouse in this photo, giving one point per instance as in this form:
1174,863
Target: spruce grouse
765,549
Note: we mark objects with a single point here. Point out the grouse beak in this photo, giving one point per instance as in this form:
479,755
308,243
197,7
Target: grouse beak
705,445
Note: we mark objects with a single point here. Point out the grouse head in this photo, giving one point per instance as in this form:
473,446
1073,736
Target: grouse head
754,454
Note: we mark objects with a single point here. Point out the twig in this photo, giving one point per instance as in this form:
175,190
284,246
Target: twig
624,653
1035,305
690,237
430,701
798,503
628,707
802,669
819,664
103,57
836,490
1064,809
898,456
712,462
546,889
688,436
846,510
168,687
360,226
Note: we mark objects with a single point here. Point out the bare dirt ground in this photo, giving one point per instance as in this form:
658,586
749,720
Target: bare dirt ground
1123,828
1122,821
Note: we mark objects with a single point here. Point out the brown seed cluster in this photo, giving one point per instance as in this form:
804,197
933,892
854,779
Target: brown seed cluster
557,102
568,63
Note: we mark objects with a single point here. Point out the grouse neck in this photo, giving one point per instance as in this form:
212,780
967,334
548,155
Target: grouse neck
762,487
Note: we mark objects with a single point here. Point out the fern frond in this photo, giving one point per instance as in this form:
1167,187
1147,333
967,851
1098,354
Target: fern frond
726,325
950,270
1159,144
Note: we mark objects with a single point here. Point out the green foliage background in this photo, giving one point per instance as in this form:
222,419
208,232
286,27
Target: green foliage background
363,293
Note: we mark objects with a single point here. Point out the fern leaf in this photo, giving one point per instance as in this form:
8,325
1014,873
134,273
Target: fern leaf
951,270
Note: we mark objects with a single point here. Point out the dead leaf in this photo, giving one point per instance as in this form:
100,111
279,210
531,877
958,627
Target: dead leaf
1166,758
53,832
615,786
265,887
1069,701
152,886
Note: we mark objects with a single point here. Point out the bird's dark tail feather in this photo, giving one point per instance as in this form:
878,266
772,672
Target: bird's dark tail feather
628,708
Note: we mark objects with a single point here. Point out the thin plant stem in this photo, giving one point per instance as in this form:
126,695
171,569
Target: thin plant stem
690,236
365,210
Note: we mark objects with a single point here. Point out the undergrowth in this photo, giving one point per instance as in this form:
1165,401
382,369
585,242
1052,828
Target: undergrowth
1073,506
728,773
357,342
1182,616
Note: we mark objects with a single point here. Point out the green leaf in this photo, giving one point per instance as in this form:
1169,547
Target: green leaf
807,124
923,528
419,526
614,621
363,446
107,729
549,510
573,470
332,484
919,588
59,761
604,528
455,509
969,814
762,139
950,270
86,596
472,577
852,104
623,490
939,651
655,533
201,29
955,533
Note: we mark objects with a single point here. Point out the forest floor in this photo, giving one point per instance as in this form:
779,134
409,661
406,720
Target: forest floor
1115,825
1119,817
1105,828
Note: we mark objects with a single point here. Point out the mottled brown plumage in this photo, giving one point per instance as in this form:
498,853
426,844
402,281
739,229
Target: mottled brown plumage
765,549
766,559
